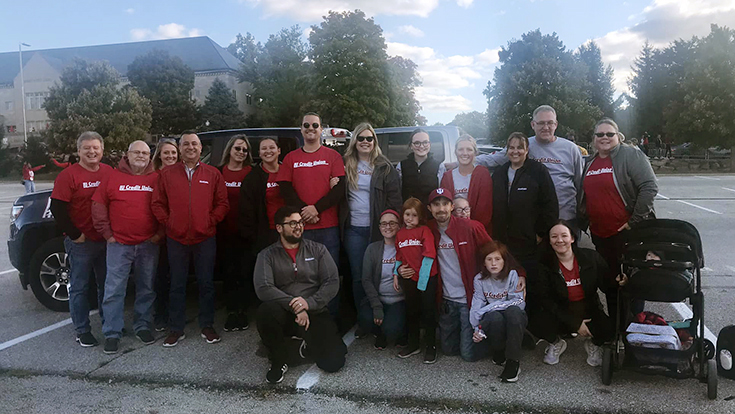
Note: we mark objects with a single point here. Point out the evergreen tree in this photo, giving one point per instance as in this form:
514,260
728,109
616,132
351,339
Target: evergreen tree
599,78
220,108
473,123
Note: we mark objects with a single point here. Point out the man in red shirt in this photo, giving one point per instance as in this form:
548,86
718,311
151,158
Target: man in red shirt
304,182
121,213
71,205
190,198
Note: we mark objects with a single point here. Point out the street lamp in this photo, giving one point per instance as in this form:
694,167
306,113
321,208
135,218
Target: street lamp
23,92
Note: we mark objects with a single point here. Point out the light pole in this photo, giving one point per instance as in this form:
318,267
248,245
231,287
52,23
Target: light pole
23,92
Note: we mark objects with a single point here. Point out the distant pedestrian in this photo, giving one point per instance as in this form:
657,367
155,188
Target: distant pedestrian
29,176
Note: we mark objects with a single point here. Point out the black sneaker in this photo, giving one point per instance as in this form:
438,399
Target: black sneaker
499,358
233,322
243,320
87,340
145,336
275,374
511,371
381,342
430,354
409,351
160,326
111,345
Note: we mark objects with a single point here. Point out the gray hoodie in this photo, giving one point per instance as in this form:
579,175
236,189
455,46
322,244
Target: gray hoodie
494,295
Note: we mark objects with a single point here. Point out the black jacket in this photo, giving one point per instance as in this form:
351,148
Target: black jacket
254,225
385,193
419,181
552,288
528,209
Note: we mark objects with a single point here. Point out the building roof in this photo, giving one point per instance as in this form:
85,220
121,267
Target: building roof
201,54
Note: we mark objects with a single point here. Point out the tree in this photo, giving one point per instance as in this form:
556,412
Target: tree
404,108
533,71
220,108
599,78
167,82
88,98
473,123
647,91
351,75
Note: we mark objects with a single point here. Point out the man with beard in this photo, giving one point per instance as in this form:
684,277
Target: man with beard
295,278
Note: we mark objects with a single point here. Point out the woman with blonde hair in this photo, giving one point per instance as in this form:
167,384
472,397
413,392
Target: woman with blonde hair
167,153
373,186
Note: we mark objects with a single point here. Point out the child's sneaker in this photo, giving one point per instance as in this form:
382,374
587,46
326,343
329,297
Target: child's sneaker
511,371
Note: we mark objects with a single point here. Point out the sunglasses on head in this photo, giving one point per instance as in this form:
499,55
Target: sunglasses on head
605,134
240,149
307,125
368,139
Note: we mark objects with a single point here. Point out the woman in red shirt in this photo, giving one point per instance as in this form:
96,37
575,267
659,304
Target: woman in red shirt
235,166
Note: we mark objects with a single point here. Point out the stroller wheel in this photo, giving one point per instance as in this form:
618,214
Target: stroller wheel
607,366
711,379
709,349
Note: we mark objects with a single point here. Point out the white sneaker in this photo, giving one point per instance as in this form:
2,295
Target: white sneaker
594,354
554,351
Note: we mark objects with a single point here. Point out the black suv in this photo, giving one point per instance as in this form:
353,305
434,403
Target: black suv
36,246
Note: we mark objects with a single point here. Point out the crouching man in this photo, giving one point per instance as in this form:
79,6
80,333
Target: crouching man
295,278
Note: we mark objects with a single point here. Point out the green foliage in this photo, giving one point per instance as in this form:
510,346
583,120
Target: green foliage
35,151
599,78
220,108
167,82
473,123
88,98
404,107
534,71
9,161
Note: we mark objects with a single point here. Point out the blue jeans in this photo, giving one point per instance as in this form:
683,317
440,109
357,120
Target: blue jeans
30,186
143,258
204,255
356,242
456,332
85,259
329,237
394,320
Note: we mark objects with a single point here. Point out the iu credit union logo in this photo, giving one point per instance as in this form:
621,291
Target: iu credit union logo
440,191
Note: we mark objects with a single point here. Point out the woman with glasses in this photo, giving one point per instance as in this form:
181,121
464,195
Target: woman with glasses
471,182
420,173
167,153
236,164
372,187
384,311
524,209
619,188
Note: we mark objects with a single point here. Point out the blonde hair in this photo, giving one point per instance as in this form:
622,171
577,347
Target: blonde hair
468,138
228,148
351,157
157,163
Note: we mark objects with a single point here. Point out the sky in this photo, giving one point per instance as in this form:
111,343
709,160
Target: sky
455,43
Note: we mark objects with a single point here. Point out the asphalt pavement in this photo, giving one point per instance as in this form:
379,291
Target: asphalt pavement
44,370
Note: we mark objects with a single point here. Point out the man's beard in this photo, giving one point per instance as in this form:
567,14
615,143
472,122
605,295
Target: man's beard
292,239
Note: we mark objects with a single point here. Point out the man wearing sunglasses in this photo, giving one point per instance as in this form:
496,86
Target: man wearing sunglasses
561,156
304,182
295,279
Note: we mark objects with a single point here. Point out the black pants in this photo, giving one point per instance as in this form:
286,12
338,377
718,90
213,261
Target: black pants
504,330
530,265
611,249
162,286
236,263
420,308
545,326
276,324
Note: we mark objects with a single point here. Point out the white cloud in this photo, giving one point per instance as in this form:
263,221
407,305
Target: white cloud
660,23
313,10
165,31
411,31
130,11
464,3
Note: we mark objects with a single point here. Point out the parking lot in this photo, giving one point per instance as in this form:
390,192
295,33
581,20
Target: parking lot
44,370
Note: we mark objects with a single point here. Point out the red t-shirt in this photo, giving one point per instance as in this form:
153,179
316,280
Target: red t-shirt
309,173
128,201
413,245
233,180
273,199
76,186
292,253
605,208
574,283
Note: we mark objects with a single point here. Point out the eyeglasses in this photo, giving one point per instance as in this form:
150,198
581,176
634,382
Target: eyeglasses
307,125
605,134
418,144
368,139
389,224
240,149
545,123
139,153
293,223
465,210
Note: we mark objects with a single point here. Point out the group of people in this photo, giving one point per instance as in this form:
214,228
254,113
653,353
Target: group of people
489,259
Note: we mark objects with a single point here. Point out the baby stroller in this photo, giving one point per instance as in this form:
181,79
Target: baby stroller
674,278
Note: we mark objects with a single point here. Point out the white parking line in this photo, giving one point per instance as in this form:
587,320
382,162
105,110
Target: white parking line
731,268
699,207
707,178
687,313
5,272
311,376
16,341
728,189
662,196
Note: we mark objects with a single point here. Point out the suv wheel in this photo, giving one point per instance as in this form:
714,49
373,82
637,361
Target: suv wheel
48,275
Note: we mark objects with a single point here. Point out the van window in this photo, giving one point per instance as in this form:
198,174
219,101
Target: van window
397,145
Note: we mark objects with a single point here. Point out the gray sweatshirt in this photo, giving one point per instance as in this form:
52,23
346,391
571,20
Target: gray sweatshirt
494,295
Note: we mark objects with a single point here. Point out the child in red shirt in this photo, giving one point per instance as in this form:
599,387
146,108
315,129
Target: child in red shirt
416,250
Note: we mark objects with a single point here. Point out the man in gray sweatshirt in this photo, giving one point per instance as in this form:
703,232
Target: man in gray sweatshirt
561,156
296,278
